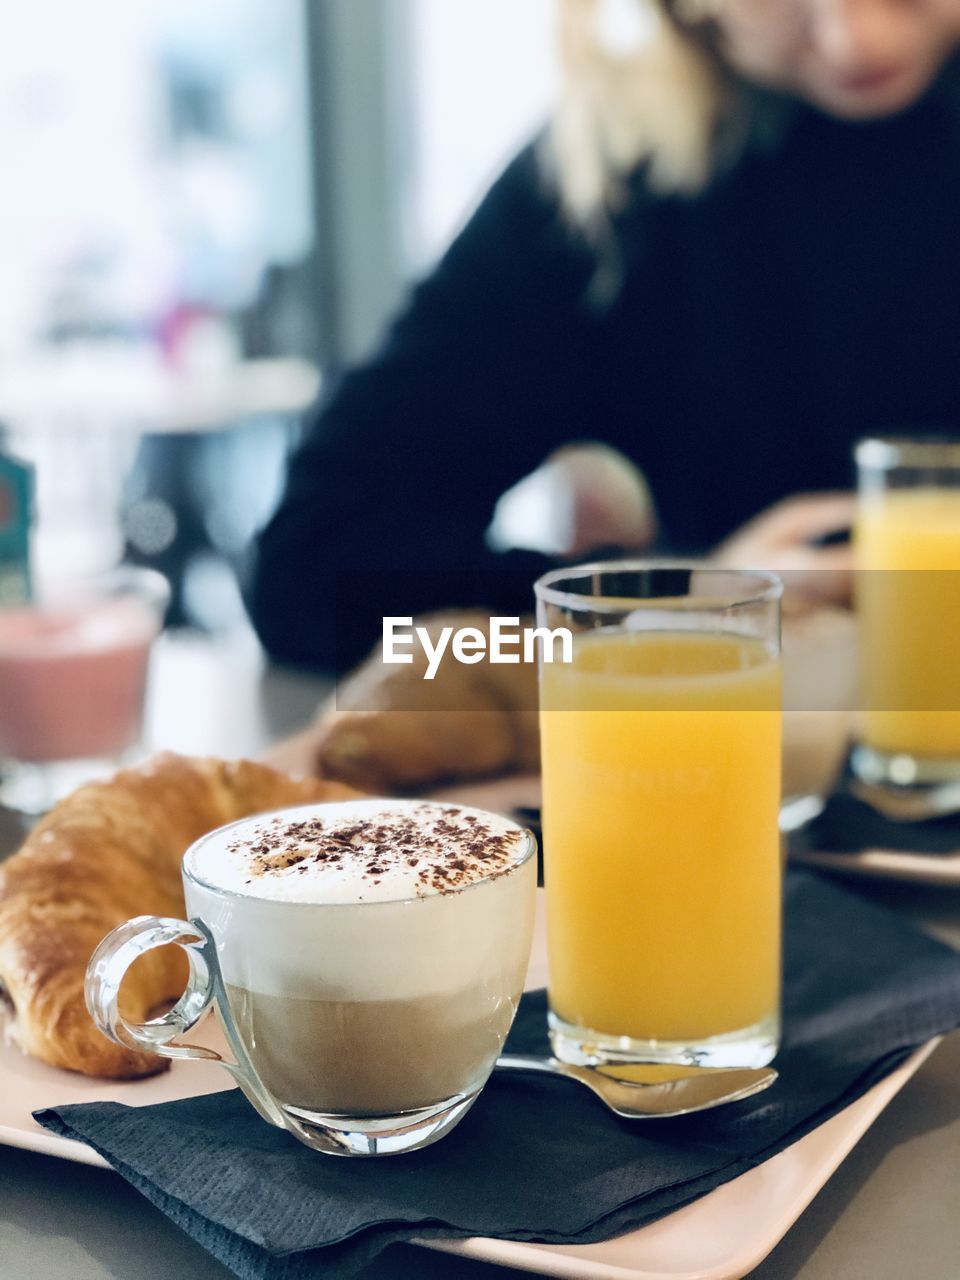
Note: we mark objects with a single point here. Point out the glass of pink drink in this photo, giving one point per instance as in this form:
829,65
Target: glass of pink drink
73,670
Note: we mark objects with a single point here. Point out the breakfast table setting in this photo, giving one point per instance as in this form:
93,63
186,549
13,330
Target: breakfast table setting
869,1213
728,903
868,1202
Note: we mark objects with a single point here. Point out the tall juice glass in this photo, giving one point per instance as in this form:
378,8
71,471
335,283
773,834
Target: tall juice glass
661,777
907,544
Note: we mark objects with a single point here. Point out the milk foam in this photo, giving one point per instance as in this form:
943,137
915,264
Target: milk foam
357,851
331,933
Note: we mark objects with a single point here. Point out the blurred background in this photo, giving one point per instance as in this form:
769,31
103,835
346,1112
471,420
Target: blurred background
209,206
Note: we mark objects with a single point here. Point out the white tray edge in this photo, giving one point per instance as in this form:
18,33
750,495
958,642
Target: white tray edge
569,1263
942,869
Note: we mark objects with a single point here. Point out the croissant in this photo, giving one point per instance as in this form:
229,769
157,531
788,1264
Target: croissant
387,728
108,852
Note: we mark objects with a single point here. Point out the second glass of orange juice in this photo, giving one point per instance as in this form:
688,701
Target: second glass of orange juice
661,777
907,544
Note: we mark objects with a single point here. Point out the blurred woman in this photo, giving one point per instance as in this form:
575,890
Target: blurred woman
733,252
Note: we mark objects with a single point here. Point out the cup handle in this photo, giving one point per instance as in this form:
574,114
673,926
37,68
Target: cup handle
105,973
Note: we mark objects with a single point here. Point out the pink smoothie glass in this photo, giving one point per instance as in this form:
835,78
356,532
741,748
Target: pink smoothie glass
73,670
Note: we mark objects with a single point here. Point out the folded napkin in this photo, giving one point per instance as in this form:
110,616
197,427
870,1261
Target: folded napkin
847,825
537,1158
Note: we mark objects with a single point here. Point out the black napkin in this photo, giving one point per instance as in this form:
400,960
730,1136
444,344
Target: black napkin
847,825
539,1158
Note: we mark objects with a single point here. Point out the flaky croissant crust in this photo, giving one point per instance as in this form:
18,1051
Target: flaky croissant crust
389,729
110,851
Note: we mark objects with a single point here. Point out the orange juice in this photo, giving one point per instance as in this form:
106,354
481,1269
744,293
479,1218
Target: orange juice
908,602
661,772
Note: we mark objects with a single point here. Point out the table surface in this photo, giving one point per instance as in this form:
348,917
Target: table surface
116,386
890,1211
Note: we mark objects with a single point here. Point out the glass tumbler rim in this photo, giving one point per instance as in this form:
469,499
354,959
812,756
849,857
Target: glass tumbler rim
548,592
887,452
101,584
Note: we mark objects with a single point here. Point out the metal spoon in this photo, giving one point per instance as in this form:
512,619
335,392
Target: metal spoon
641,1090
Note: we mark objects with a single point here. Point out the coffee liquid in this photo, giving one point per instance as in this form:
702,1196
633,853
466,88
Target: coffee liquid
371,1056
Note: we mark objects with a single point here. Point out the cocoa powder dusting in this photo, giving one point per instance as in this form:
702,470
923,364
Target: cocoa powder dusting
446,856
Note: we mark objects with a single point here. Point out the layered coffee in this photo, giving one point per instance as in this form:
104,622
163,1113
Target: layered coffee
372,1057
373,952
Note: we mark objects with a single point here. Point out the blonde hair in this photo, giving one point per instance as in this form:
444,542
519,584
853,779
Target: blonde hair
637,88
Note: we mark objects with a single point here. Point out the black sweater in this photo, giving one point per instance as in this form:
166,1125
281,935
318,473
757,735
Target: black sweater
810,296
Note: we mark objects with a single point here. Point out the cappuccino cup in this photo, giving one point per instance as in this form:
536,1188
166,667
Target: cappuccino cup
365,959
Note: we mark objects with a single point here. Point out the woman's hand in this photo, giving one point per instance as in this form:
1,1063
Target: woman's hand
583,497
783,538
605,498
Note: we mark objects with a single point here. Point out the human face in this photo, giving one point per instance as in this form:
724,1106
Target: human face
857,59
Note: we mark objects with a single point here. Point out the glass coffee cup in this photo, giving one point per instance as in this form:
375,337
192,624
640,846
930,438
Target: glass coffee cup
365,960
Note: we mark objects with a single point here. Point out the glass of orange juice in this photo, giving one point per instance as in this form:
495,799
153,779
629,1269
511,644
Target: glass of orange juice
907,550
661,789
